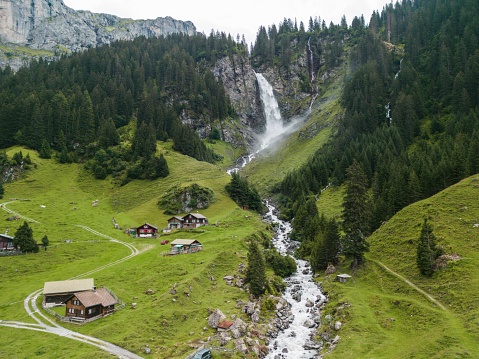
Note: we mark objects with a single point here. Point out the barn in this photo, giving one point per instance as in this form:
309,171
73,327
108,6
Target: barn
58,292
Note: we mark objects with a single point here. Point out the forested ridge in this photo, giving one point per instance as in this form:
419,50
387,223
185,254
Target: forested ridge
77,104
421,59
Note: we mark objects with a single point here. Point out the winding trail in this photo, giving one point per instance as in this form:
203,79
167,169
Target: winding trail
46,325
432,299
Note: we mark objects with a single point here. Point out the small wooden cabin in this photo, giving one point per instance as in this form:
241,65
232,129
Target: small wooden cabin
58,292
90,304
182,246
146,230
194,220
6,243
175,222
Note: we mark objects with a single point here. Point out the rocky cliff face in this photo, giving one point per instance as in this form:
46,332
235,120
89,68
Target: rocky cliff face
51,25
239,80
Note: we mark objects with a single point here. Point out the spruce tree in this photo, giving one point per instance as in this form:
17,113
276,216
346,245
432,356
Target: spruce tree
355,214
2,190
427,252
45,241
24,239
327,246
256,270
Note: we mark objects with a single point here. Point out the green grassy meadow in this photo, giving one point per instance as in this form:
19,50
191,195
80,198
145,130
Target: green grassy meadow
163,321
390,319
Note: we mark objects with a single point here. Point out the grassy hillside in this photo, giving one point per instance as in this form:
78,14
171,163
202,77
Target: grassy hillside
163,321
388,317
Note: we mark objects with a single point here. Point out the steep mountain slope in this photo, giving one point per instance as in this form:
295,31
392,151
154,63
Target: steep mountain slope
383,316
54,27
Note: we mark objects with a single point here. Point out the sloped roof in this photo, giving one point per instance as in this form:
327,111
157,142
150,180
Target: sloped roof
100,296
225,324
176,217
149,225
68,286
197,215
6,237
185,242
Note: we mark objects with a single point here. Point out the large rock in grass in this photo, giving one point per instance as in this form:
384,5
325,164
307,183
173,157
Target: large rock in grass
216,318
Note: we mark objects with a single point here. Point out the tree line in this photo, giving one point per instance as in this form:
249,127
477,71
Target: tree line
85,98
428,141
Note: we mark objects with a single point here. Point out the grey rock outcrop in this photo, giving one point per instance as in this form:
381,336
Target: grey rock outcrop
51,25
216,318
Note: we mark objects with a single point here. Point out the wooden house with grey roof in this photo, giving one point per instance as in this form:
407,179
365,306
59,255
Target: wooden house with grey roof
183,246
191,220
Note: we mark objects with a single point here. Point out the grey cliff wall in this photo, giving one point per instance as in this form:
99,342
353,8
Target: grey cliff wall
51,25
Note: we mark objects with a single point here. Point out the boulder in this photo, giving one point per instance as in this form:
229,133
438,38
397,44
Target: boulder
239,325
240,346
330,270
308,323
224,339
216,318
337,325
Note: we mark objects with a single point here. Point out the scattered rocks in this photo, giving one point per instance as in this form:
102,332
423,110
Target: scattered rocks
149,292
216,318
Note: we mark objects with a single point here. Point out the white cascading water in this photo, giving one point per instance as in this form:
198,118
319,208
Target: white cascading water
274,121
302,292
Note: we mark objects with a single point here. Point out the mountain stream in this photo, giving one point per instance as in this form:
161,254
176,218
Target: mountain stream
304,295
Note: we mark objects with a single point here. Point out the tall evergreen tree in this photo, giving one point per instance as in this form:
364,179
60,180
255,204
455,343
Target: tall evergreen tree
24,239
355,214
427,252
256,270
327,246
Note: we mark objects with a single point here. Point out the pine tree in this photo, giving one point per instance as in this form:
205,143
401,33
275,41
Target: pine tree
256,270
24,239
427,252
327,246
45,241
355,214
2,190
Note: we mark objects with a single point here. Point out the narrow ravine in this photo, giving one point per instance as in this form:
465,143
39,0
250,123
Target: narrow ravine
304,295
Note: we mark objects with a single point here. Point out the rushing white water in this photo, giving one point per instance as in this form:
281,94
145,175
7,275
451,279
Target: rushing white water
274,121
301,291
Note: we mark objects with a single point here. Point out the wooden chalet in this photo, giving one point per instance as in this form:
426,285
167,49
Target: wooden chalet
59,292
89,304
146,230
191,220
175,222
182,246
6,243
194,220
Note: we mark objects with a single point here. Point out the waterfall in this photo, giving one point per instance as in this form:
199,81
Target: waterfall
274,121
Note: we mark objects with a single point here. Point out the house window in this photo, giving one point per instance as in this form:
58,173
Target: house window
89,311
81,312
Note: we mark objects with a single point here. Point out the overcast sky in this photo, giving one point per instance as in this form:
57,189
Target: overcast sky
238,17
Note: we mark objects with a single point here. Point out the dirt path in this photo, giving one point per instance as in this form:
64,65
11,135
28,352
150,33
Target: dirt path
47,325
411,284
